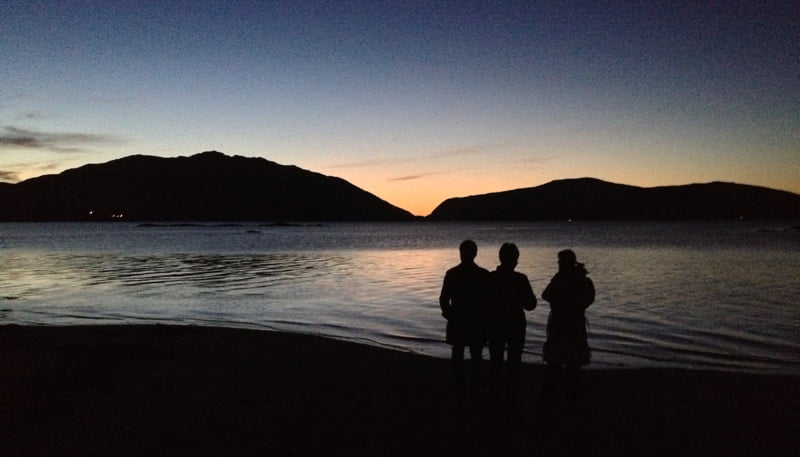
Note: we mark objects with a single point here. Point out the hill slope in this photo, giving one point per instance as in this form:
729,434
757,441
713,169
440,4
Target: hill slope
207,186
593,199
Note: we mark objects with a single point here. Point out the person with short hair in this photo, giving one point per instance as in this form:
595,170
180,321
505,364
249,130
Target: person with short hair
510,295
461,301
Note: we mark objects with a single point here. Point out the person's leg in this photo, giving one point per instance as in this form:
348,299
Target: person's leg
457,365
572,387
475,363
551,373
497,346
516,343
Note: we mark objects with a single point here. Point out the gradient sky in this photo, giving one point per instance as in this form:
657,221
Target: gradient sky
414,101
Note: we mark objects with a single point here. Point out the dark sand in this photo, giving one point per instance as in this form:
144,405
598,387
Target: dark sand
163,390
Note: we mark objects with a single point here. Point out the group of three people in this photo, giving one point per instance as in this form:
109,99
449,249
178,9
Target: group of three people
489,307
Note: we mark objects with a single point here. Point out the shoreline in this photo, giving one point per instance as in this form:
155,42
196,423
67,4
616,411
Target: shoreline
187,390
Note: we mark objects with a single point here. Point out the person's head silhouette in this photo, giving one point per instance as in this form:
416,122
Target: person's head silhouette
567,258
567,261
509,255
468,250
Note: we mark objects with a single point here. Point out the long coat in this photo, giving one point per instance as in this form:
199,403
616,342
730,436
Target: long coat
569,294
462,303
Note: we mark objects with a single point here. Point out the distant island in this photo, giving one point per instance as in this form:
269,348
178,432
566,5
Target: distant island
593,199
212,186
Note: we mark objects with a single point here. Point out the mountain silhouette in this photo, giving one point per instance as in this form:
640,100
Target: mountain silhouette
593,199
206,186
212,186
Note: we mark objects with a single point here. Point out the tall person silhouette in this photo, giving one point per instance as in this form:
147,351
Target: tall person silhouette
462,304
566,349
510,295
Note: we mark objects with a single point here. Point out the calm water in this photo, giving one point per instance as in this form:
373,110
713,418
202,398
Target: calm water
701,295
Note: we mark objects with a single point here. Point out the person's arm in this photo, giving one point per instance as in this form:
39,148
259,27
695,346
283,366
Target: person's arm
549,291
588,297
444,298
528,298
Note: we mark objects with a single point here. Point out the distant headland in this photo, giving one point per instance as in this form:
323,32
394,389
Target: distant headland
212,186
593,199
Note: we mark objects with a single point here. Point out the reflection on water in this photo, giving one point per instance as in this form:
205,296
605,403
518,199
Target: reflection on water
728,302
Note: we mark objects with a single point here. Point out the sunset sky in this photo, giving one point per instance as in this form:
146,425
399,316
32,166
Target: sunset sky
414,101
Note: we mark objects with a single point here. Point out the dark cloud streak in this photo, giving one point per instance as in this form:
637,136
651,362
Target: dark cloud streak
56,142
32,116
9,176
413,177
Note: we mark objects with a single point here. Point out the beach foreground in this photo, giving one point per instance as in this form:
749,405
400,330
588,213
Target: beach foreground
173,390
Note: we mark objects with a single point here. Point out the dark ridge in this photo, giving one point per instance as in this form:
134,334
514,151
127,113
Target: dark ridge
593,199
210,186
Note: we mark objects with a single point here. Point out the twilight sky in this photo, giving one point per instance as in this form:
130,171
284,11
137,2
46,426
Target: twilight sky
414,101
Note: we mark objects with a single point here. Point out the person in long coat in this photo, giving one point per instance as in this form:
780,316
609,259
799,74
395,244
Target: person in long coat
566,349
462,304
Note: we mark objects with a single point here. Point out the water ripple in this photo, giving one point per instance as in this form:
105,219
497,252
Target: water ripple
701,303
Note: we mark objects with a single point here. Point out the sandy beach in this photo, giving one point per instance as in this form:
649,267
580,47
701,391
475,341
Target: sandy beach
171,390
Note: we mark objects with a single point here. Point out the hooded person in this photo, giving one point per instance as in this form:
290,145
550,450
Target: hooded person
566,348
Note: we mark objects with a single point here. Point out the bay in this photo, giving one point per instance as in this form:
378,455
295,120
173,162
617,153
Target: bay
704,295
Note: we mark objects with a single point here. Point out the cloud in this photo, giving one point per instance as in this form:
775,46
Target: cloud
9,176
417,176
15,172
538,160
56,142
32,116
477,149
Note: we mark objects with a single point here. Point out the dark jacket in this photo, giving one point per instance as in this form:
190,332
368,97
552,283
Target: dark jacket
509,295
569,293
462,303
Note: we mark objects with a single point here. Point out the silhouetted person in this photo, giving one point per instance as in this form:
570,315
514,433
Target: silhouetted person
566,349
510,295
461,301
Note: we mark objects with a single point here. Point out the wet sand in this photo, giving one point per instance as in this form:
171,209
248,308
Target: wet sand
171,390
